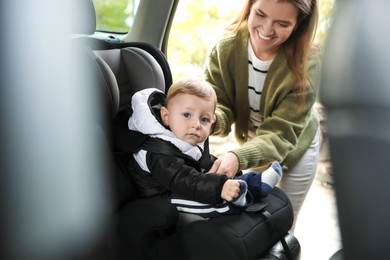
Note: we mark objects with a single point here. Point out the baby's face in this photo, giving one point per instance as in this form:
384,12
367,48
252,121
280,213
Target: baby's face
189,117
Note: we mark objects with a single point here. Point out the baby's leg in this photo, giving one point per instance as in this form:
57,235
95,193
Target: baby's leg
261,184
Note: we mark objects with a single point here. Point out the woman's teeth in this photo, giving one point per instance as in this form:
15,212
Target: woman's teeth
264,37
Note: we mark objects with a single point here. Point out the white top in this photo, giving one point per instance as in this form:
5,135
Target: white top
257,71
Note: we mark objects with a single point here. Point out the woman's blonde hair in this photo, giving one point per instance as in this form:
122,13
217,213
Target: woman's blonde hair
300,44
194,86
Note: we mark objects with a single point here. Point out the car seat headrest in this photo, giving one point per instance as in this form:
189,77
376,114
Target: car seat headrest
106,83
129,70
84,13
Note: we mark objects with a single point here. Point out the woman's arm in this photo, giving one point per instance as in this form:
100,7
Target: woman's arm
288,125
217,71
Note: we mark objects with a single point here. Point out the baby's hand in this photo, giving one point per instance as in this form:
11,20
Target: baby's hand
230,190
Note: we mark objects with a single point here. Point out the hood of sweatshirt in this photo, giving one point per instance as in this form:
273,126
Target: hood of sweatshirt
146,119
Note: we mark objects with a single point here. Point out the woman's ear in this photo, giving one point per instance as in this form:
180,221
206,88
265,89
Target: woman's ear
164,113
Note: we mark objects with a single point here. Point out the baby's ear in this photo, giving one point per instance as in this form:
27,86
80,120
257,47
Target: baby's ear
213,124
164,113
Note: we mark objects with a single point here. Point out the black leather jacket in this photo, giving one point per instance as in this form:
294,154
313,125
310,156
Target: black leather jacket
170,170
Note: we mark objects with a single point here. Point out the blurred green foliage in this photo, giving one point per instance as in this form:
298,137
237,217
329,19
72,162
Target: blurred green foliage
113,15
326,10
192,32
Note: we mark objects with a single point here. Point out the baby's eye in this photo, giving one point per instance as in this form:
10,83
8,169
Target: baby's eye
187,115
205,120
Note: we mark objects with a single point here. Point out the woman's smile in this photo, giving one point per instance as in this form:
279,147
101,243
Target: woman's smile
263,37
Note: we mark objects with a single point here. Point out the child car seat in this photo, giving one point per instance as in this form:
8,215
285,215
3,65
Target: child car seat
146,227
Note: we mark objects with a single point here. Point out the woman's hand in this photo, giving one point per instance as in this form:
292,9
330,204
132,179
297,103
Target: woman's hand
230,190
227,164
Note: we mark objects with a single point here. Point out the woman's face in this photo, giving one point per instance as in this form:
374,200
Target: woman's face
270,24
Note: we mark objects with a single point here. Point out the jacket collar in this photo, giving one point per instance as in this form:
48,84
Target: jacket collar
146,119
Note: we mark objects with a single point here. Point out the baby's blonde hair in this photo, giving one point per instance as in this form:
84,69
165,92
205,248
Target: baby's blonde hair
192,86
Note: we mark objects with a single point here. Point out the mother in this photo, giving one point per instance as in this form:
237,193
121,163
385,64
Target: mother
266,72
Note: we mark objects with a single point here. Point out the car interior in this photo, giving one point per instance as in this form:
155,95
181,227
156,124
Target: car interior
82,203
66,192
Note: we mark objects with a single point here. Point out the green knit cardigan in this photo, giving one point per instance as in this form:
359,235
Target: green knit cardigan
287,128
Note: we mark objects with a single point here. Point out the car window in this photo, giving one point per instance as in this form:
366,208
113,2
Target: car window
115,15
195,25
